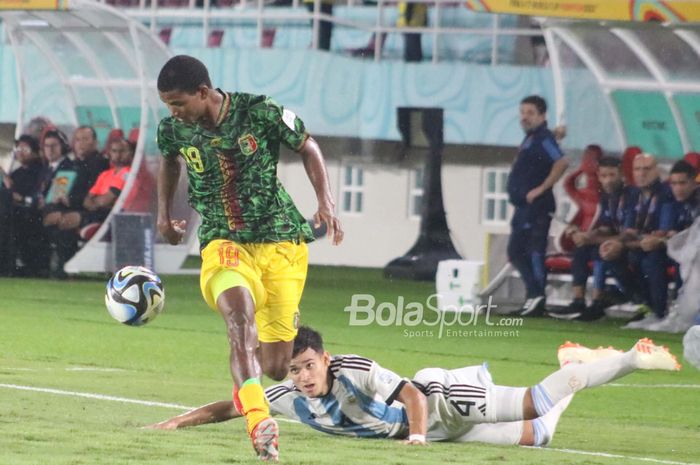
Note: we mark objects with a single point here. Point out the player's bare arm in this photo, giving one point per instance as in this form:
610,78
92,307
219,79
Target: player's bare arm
215,412
417,413
555,174
316,171
168,176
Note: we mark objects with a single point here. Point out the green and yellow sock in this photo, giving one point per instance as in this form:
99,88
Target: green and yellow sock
253,403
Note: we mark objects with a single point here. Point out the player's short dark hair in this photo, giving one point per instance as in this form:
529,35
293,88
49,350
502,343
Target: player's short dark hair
31,141
307,338
609,162
683,167
537,101
184,73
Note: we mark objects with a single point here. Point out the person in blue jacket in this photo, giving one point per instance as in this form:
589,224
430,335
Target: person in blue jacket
540,163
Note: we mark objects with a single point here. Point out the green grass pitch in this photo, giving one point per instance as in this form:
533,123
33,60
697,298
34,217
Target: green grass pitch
58,335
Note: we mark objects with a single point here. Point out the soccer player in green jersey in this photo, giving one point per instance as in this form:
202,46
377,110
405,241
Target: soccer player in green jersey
252,237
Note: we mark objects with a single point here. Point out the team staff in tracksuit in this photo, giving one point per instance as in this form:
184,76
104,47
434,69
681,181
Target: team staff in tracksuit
538,166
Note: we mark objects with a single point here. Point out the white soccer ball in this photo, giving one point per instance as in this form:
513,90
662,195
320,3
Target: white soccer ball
691,346
134,296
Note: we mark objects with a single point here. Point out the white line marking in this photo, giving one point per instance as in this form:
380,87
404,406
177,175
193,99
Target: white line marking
76,368
679,386
88,395
616,456
94,369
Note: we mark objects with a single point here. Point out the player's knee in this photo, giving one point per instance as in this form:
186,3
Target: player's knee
275,369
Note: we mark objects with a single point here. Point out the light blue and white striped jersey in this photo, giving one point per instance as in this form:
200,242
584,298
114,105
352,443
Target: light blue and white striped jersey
360,402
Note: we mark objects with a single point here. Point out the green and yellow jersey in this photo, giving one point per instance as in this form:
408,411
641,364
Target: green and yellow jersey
232,170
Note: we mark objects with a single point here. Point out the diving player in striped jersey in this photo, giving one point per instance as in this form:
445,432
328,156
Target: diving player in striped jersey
353,396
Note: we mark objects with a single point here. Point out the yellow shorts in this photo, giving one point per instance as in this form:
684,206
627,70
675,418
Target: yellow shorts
274,273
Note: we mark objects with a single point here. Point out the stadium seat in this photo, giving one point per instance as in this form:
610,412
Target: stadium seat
133,136
694,159
584,198
558,263
165,34
114,134
627,161
140,198
215,38
87,231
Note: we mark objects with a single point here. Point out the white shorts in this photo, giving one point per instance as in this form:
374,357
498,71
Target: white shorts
459,399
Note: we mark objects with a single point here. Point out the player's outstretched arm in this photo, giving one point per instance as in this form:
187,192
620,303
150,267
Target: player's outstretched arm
168,176
315,168
215,412
417,413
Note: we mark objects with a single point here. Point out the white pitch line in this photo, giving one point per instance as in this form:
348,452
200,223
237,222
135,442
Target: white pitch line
675,386
107,370
617,456
88,395
75,368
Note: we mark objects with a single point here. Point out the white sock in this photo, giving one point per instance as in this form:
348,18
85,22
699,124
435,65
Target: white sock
576,376
545,426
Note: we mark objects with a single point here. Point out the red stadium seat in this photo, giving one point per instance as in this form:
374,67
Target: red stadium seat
165,34
215,38
133,136
114,134
559,263
585,198
627,161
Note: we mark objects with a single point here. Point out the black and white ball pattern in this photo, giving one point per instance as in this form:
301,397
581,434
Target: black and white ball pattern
135,295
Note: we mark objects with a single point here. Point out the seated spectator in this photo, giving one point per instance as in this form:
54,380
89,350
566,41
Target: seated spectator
57,179
682,211
106,190
21,231
646,230
89,163
614,199
686,195
55,149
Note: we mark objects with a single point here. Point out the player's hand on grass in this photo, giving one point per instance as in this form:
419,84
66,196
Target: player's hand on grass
414,442
172,231
167,425
326,215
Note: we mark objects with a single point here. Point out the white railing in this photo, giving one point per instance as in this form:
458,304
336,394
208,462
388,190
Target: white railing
155,16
